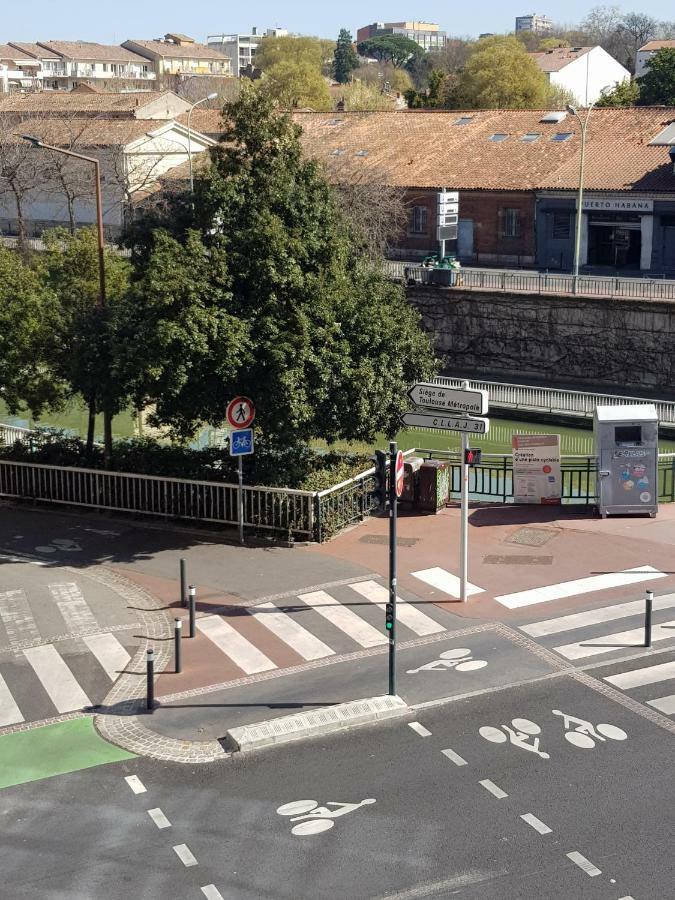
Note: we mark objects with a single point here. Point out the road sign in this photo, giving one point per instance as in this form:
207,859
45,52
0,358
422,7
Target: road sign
240,412
438,396
421,419
241,442
399,474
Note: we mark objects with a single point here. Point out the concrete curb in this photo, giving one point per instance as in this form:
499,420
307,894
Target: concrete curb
314,723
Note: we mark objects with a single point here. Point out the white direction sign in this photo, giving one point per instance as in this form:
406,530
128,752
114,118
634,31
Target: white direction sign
438,396
421,419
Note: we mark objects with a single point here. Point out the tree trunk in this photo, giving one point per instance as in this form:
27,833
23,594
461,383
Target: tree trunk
91,426
107,439
71,213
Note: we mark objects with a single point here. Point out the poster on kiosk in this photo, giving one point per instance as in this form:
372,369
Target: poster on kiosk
536,468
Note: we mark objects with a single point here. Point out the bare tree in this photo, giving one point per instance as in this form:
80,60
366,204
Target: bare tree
69,178
18,173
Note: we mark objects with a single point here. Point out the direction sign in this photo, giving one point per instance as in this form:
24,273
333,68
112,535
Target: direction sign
398,469
241,442
445,422
438,396
240,412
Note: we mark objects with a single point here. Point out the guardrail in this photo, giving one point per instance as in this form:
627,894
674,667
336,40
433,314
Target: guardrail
505,280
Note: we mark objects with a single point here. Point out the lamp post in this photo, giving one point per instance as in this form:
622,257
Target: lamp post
203,100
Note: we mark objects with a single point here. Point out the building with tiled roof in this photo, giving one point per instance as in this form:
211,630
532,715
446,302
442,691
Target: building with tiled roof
646,52
19,71
134,104
583,71
178,55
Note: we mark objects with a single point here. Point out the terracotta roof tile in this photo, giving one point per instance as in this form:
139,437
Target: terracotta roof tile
33,50
179,51
76,103
85,50
555,60
657,45
208,121
83,132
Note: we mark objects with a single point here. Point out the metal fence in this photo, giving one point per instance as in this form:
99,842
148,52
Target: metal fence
505,280
11,433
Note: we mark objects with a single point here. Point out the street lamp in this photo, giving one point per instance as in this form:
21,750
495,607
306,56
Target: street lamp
211,96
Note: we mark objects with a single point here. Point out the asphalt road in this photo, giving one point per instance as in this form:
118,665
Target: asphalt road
452,812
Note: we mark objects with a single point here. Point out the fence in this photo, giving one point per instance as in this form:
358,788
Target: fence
13,242
505,280
11,433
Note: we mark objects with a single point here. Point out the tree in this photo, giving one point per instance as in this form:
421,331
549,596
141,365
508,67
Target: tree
500,74
296,85
310,50
19,167
625,93
657,85
397,49
634,30
345,58
359,96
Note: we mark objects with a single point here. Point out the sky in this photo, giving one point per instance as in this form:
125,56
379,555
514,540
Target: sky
119,20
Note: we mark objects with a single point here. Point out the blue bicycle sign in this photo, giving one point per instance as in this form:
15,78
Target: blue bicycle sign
241,442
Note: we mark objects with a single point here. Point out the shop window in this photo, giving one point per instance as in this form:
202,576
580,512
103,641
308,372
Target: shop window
561,226
509,222
418,220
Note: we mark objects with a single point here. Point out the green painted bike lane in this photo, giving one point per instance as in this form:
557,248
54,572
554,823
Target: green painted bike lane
54,750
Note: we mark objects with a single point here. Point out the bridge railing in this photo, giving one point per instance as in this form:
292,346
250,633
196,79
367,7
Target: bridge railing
11,433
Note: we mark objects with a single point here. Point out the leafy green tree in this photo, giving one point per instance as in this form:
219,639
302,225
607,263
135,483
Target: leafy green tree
625,93
295,85
397,49
345,58
657,86
286,48
500,74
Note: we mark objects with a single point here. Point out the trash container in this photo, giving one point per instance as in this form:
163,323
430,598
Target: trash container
434,485
627,442
411,468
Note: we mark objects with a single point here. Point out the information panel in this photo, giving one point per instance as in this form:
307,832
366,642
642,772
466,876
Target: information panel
536,468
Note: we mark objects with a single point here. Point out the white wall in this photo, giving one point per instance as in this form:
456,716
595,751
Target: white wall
641,61
586,76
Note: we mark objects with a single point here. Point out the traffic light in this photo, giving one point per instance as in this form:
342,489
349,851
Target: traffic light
472,457
389,617
380,476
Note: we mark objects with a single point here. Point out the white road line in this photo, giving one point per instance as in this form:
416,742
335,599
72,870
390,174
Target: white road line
579,586
593,646
72,606
17,618
135,784
211,892
493,789
454,757
185,855
10,714
595,616
159,818
420,729
666,705
242,652
109,652
647,675
345,619
583,863
445,581
56,678
290,632
537,824
414,619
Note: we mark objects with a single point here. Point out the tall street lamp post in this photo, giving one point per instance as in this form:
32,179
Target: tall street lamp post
203,100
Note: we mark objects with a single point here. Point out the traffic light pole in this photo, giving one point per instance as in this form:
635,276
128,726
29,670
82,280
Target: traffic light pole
464,528
391,611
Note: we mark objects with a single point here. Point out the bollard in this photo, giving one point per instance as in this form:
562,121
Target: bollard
183,583
649,600
177,635
150,664
192,608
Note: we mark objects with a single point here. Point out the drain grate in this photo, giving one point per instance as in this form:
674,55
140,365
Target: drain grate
384,539
532,537
521,560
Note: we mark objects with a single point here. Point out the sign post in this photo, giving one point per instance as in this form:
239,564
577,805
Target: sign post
395,462
240,415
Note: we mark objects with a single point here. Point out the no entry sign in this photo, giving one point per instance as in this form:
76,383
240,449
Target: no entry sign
240,412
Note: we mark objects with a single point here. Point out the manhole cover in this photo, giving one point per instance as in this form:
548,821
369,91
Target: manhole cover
384,539
532,537
518,560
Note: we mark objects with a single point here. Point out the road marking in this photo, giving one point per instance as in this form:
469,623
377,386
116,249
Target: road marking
72,606
647,675
10,714
595,616
159,818
109,652
592,646
583,863
17,618
211,892
290,632
56,678
184,855
417,621
420,729
345,619
454,757
135,784
538,825
493,789
666,705
242,652
579,586
445,581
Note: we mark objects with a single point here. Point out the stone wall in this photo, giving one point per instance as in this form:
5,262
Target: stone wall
626,344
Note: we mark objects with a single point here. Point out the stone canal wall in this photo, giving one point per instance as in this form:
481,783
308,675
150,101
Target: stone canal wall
626,344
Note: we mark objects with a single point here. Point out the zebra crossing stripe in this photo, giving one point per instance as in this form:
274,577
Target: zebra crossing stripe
640,677
56,678
290,632
666,705
109,652
445,581
241,651
593,646
72,606
417,621
345,619
10,714
17,618
595,616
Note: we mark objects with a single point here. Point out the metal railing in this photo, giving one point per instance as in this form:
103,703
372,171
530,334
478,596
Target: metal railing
505,280
11,433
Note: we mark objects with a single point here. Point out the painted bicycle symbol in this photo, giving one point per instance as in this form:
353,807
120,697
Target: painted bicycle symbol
317,818
585,735
523,730
242,442
450,659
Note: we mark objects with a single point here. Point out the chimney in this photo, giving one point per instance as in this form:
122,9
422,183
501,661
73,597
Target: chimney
254,30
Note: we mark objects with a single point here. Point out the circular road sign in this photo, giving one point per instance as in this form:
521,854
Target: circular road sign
399,473
240,412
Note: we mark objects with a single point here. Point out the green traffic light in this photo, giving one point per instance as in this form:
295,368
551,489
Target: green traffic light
390,625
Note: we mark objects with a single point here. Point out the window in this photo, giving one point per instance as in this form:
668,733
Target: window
418,220
463,120
338,152
562,136
561,226
531,137
361,153
509,222
500,136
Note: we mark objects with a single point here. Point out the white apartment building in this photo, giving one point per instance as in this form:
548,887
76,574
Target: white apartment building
242,48
181,56
646,52
585,71
68,64
535,23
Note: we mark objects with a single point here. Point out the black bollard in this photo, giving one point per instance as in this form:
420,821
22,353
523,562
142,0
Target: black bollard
649,600
150,664
183,583
177,635
192,608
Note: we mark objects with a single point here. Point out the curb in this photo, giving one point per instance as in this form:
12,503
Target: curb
315,723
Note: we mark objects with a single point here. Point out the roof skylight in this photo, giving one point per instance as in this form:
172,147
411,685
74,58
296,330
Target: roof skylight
562,136
463,120
499,136
531,137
